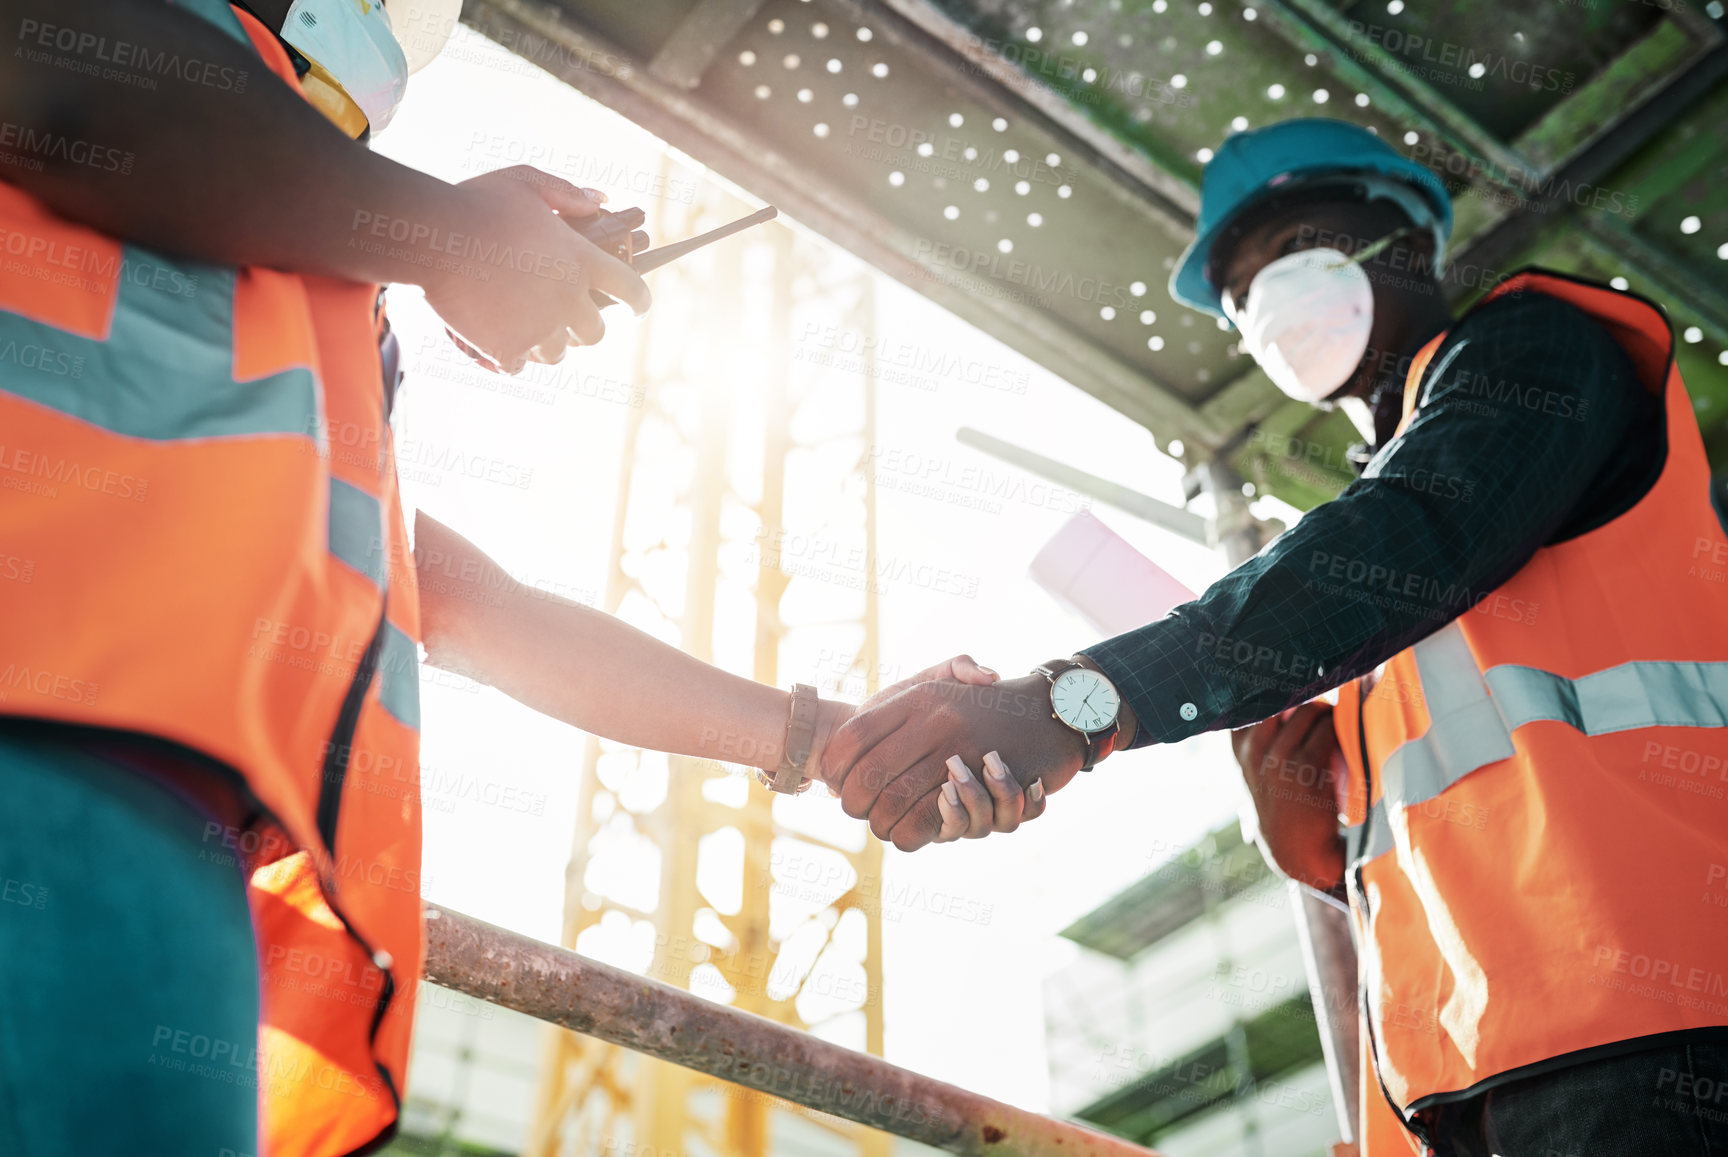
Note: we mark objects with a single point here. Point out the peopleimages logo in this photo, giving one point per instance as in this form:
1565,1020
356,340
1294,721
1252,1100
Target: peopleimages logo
429,245
496,149
958,156
1666,979
40,145
42,359
1041,282
120,60
1092,81
911,363
1477,65
426,461
91,269
1536,188
44,683
967,484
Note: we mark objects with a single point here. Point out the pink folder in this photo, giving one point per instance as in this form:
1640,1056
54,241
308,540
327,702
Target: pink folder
1094,572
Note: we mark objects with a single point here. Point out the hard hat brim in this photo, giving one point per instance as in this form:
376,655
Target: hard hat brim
1189,284
423,28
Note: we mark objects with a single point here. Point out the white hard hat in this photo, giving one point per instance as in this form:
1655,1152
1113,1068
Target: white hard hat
423,27
369,49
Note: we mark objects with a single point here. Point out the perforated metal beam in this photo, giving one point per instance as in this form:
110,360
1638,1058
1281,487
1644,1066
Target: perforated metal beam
886,124
699,37
1060,291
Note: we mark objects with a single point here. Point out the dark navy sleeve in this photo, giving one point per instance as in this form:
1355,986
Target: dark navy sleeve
1530,421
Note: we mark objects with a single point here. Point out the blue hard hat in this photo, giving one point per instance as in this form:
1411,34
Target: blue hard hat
1252,165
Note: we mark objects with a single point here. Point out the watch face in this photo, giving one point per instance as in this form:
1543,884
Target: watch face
1084,699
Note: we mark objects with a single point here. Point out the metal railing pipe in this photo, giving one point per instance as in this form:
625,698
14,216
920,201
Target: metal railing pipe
557,985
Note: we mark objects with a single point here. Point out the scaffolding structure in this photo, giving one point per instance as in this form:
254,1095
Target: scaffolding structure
1034,167
926,135
774,1060
722,402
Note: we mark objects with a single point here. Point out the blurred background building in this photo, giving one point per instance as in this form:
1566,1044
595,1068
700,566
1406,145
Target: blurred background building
1185,1024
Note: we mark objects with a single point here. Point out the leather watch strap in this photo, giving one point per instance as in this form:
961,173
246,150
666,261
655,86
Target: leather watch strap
790,778
1101,743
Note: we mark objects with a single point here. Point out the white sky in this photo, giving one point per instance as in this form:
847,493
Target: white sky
963,998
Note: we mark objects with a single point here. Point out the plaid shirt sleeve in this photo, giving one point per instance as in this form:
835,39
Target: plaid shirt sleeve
1530,417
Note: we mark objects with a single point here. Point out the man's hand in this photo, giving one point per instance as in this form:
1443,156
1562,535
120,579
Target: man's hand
889,762
1293,768
832,714
534,305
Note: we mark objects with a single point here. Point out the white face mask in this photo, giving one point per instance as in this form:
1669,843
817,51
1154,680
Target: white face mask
1308,318
353,42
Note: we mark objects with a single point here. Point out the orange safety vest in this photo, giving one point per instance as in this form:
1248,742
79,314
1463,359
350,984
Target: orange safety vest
1538,841
195,462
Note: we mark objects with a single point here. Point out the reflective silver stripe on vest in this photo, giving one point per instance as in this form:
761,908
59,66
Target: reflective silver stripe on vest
357,538
1623,698
1465,730
166,370
399,676
1473,717
1378,834
357,530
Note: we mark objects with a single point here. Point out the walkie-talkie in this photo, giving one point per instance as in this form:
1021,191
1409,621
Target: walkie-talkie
621,235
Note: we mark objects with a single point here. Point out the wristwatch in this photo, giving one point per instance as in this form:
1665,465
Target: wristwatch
1086,701
789,778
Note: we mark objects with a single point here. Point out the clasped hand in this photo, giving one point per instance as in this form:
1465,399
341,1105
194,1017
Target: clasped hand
534,306
954,752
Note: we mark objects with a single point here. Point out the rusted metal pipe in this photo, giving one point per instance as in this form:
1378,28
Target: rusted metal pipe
558,985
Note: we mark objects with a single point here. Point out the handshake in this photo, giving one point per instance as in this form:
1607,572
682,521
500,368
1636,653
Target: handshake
955,751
